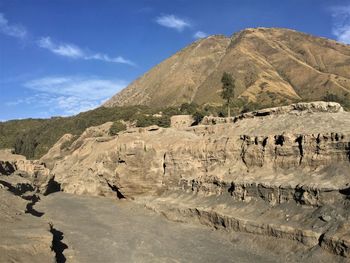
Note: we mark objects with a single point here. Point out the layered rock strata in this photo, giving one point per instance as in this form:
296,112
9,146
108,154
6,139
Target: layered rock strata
291,161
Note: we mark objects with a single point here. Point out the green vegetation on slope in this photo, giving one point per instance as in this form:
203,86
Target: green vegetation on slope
34,137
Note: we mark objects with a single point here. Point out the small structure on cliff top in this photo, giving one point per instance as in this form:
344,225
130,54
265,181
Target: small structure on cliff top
181,121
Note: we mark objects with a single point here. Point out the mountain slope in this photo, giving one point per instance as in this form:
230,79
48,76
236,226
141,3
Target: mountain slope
270,65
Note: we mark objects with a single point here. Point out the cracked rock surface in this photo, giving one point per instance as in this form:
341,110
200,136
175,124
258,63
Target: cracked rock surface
97,229
23,237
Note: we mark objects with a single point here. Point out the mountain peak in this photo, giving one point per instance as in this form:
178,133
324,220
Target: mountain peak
271,66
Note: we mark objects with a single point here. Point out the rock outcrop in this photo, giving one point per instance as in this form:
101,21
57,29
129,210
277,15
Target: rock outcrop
31,172
24,237
289,164
181,121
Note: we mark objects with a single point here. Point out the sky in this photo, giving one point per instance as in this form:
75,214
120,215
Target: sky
61,57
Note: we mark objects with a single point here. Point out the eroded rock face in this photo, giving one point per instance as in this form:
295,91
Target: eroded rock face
296,156
278,151
293,109
17,170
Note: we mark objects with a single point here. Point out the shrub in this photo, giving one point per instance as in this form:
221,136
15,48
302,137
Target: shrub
116,127
188,108
68,143
198,117
163,121
144,121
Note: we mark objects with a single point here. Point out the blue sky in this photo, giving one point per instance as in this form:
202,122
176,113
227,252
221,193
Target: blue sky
60,57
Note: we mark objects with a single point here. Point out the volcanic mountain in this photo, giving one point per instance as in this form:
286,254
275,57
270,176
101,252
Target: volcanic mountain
269,65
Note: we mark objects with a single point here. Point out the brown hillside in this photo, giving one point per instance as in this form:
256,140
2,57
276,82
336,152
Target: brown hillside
268,64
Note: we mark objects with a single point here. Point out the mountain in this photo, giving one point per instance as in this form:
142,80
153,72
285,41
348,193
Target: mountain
270,66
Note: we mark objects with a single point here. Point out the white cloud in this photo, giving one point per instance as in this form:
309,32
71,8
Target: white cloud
200,34
11,30
67,50
173,22
106,58
61,49
341,23
69,95
73,51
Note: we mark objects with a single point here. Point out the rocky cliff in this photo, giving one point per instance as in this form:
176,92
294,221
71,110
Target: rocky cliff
281,172
269,65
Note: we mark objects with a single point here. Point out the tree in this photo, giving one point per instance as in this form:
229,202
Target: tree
228,90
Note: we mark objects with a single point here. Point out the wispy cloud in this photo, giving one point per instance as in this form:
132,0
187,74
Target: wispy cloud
73,51
67,50
17,31
69,95
61,49
172,21
200,34
341,23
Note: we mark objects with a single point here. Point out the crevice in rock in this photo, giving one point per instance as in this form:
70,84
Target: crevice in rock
19,189
256,140
337,137
116,190
299,140
318,139
6,168
320,239
264,143
262,114
298,195
57,245
345,191
52,186
195,185
318,142
121,161
164,165
29,208
231,189
279,140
